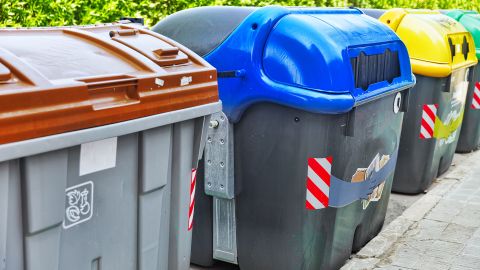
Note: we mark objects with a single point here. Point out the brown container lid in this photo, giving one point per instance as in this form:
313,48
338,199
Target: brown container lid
55,80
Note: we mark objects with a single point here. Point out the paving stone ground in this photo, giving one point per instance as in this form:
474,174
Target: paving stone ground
441,230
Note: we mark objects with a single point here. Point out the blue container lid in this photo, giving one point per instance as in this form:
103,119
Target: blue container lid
319,60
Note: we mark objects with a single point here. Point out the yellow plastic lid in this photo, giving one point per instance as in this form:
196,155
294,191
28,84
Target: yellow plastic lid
436,43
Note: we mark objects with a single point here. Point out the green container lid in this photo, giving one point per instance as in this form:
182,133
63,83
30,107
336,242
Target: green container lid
471,21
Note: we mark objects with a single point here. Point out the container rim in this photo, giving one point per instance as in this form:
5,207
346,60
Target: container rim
45,144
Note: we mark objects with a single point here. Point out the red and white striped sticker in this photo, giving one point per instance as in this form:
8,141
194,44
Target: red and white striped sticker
191,210
476,97
428,121
318,182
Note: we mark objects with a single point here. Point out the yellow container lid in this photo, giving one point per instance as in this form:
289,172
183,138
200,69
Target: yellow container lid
436,43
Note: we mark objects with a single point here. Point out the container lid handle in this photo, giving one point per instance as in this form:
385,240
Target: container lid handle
163,52
123,32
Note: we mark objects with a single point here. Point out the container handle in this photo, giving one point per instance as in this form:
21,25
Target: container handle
231,73
343,193
166,52
112,92
123,32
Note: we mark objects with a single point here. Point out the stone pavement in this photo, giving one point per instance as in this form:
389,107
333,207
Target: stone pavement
398,204
439,231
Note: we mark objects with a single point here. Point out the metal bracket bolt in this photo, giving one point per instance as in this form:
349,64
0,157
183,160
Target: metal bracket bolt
214,124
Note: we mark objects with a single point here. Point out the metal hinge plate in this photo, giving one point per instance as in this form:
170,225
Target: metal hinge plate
219,174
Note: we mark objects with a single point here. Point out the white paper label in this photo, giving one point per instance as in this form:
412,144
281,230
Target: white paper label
159,82
185,80
98,156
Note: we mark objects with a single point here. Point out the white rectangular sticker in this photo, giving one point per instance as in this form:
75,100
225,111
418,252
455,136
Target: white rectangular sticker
98,156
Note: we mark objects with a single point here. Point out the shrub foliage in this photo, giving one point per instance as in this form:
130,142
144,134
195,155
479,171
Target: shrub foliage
75,12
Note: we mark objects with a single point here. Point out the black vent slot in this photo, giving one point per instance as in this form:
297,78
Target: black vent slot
452,47
465,48
370,69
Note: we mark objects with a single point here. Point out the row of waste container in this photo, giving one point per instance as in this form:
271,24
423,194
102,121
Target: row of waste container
115,145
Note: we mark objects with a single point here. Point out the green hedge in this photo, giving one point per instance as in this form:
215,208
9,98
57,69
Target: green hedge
64,12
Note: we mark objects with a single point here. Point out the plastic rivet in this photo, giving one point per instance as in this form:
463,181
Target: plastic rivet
397,103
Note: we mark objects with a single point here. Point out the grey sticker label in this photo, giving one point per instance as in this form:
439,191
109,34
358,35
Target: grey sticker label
79,204
159,82
98,156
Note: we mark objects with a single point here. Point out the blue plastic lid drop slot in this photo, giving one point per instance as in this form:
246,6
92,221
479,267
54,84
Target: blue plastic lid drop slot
325,61
328,67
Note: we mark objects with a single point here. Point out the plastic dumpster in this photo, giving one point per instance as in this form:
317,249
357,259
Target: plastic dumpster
470,135
442,53
298,167
102,128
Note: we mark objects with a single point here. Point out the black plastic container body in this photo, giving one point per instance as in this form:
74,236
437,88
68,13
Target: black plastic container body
355,227
202,231
470,136
420,161
272,147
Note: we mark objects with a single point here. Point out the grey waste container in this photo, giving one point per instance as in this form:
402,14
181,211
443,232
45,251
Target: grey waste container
102,130
442,55
470,135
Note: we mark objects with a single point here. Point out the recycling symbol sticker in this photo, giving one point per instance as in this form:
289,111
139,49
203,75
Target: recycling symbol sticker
79,204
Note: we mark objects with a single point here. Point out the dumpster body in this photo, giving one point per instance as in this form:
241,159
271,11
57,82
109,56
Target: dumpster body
99,145
442,54
296,164
470,135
